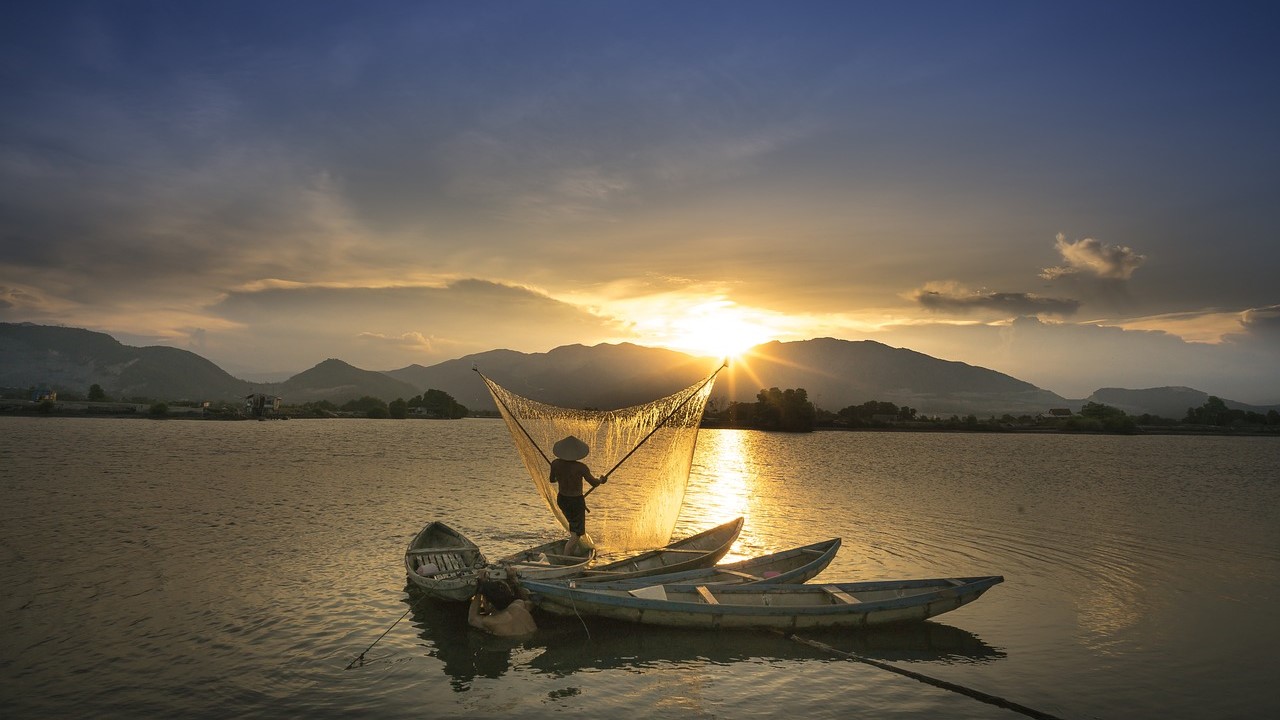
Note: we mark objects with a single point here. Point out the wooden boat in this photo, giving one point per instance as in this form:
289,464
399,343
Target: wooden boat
442,562
547,562
696,551
796,565
781,607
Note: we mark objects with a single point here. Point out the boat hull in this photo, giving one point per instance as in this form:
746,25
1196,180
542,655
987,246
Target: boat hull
458,560
546,562
442,563
796,565
696,551
777,607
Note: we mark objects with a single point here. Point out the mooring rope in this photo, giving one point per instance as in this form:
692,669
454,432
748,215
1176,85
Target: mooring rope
975,694
574,601
360,657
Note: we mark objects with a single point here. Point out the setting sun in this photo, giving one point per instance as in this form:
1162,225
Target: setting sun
717,328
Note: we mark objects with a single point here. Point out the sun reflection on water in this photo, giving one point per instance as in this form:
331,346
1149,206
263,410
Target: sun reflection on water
720,488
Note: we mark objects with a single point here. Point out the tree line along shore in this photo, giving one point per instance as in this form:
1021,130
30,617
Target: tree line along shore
774,409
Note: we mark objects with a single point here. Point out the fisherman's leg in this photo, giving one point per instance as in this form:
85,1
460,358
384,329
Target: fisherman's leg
576,514
566,505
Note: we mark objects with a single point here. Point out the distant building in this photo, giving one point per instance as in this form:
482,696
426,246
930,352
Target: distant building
259,405
1060,413
42,393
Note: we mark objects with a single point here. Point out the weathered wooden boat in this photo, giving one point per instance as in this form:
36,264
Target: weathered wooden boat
782,607
442,562
696,551
796,565
547,562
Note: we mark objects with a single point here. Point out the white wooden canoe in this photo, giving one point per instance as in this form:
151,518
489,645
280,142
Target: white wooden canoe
546,562
696,551
796,565
442,562
782,607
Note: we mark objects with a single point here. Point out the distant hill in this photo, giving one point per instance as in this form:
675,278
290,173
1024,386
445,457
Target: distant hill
839,373
72,359
1169,402
604,376
338,382
835,373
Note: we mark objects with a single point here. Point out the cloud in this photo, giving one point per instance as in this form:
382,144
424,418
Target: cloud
197,340
411,340
1214,325
1207,325
1091,257
294,326
1262,321
951,298
1260,329
29,304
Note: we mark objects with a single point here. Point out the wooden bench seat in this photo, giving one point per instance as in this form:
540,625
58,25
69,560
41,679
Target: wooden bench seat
433,551
707,597
841,595
445,560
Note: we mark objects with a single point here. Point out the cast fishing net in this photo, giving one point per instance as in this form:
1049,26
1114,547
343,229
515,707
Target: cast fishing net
646,450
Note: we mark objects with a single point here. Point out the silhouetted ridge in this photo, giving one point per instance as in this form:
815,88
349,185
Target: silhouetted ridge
835,374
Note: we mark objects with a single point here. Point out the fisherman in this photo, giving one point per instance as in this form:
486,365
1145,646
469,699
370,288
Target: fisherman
496,608
568,471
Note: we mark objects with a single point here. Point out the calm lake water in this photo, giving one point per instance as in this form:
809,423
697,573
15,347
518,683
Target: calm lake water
222,569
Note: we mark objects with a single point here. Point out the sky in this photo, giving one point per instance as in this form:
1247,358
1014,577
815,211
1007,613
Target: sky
1081,195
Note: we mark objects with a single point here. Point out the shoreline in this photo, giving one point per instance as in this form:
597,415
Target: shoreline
141,412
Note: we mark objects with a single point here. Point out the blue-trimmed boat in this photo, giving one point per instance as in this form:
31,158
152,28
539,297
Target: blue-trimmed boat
780,607
796,565
696,551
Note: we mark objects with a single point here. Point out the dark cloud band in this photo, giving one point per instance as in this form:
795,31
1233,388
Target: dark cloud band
1012,304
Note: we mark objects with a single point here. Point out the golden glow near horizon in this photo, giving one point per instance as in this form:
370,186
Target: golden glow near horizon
717,327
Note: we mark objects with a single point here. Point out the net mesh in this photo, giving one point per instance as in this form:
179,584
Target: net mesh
647,450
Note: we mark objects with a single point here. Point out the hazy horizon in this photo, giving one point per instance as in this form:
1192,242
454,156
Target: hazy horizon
1077,196
743,359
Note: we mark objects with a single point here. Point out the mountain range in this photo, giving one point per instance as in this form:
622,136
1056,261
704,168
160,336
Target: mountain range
834,373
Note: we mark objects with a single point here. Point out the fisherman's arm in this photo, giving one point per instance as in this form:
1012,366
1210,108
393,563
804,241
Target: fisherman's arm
518,587
474,618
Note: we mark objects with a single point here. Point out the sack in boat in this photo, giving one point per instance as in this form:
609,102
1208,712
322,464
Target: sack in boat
428,569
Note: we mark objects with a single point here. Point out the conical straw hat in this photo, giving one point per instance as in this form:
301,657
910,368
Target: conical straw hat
570,448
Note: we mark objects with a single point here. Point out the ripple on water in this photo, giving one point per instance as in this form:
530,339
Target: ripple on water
235,569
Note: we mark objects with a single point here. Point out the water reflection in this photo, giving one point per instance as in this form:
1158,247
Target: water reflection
927,641
564,646
726,493
1118,602
720,487
465,652
571,646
